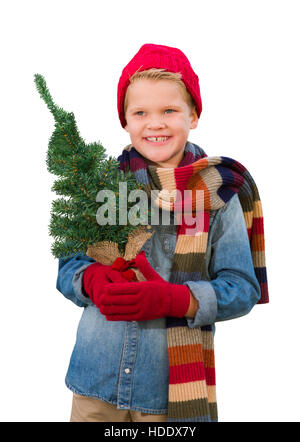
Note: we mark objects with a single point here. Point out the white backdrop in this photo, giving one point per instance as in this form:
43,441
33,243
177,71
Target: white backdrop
246,54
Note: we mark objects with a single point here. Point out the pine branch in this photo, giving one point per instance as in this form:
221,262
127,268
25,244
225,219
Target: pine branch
82,170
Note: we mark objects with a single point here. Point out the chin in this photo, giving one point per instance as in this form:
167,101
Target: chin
158,159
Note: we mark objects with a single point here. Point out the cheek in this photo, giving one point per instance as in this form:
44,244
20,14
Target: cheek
134,128
181,124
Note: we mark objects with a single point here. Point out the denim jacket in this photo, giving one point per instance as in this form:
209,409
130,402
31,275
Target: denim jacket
126,363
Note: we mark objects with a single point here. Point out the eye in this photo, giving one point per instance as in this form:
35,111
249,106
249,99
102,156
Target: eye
170,110
139,113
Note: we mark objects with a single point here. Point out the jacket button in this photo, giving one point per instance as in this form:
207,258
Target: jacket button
127,370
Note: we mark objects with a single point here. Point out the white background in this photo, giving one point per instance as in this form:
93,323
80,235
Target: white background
246,54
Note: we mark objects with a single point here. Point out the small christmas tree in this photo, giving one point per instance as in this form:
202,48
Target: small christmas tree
83,170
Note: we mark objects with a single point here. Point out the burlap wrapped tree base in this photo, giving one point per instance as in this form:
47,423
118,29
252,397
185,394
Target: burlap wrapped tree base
106,252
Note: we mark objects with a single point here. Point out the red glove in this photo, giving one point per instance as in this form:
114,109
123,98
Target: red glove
97,276
151,299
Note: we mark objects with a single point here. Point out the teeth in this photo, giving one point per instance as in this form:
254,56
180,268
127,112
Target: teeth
157,139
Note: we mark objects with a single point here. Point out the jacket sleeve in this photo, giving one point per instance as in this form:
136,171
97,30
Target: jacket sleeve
233,289
69,279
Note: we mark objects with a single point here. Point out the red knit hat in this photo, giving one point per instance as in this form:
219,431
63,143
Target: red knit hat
160,57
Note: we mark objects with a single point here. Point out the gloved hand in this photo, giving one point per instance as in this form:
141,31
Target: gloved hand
97,276
151,299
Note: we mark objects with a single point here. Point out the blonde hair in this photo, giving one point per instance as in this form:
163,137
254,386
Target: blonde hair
161,74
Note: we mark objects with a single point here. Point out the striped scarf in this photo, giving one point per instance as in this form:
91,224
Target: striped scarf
192,386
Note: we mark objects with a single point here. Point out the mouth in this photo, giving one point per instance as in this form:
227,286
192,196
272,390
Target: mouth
158,141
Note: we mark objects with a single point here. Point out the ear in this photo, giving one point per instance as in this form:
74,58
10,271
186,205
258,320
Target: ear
194,119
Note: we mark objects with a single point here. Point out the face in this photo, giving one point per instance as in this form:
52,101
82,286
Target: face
158,121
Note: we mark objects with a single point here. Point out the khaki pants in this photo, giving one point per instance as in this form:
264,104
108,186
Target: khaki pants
86,409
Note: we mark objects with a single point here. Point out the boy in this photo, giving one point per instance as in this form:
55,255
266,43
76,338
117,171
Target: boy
119,369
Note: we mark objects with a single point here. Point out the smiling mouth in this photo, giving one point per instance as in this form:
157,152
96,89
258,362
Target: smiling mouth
157,139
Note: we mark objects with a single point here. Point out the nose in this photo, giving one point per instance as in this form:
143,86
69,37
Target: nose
155,123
